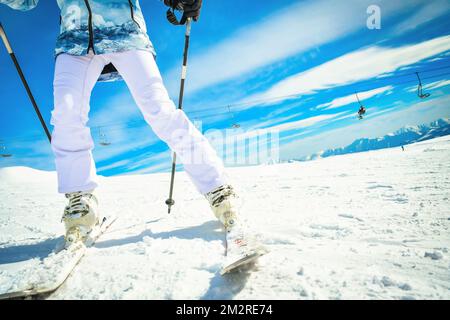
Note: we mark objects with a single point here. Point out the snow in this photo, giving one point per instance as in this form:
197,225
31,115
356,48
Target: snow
371,225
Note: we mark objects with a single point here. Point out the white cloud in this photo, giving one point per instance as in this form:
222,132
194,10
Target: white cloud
148,159
296,135
303,123
152,168
282,124
122,122
343,101
141,163
128,139
113,165
118,109
300,27
437,84
269,122
432,9
356,66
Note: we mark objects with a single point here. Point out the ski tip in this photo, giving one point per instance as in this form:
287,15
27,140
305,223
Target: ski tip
243,262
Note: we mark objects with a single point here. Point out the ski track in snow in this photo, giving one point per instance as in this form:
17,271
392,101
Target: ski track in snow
372,225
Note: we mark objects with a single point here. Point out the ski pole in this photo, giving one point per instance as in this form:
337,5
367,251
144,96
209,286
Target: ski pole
170,202
24,81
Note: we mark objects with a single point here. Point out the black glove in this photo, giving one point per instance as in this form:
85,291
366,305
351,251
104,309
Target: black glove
174,4
190,8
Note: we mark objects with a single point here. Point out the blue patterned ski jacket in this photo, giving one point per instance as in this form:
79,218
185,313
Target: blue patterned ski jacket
105,26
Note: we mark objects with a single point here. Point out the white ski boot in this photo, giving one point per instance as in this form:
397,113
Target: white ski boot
80,216
241,247
224,203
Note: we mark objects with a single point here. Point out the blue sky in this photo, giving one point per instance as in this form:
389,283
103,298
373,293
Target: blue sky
291,66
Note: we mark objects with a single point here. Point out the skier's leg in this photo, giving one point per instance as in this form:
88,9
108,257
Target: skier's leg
142,76
201,163
72,144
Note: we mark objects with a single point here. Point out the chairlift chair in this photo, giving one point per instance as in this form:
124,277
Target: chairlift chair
420,93
103,140
234,125
4,153
362,109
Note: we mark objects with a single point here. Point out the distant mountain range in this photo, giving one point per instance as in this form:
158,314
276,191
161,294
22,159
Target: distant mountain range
406,135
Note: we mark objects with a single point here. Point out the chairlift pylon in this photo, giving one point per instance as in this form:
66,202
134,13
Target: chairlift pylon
420,93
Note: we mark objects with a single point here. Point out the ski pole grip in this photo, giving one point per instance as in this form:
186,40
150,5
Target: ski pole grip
188,27
5,39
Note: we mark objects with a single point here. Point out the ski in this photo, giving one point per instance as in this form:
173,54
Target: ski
70,257
243,261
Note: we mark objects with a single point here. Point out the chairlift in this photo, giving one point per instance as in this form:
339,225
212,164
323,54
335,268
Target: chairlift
420,93
103,139
4,153
362,109
234,125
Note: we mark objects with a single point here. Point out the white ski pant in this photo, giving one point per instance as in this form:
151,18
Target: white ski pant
72,143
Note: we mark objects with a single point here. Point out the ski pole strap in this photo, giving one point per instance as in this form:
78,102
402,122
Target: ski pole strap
190,9
173,18
5,39
173,5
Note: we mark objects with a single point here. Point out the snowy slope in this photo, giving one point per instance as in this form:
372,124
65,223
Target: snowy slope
373,225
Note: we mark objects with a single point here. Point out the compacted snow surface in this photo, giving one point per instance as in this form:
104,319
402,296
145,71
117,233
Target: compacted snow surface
373,225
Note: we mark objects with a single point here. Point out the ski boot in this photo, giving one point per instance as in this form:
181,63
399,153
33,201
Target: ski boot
241,247
80,216
224,203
